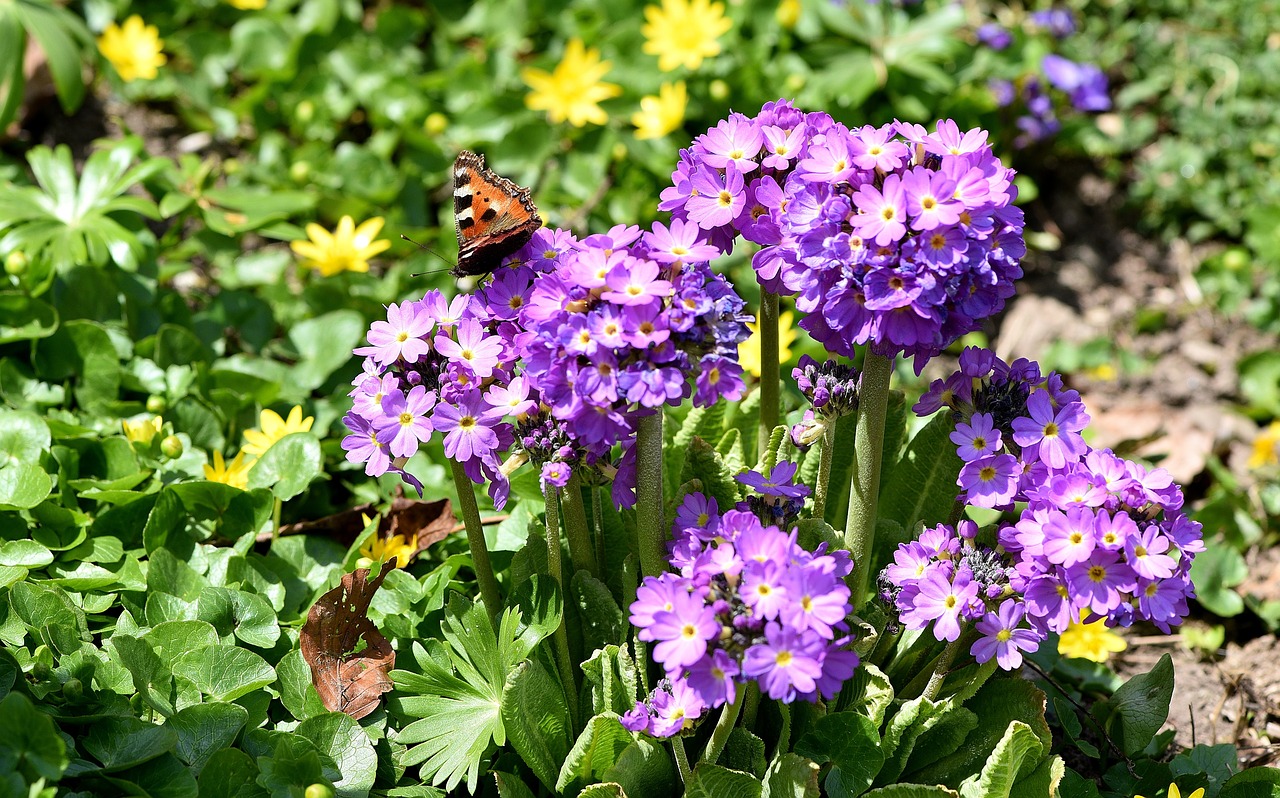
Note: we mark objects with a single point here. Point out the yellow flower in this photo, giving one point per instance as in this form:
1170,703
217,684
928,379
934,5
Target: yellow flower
142,431
788,13
134,49
274,428
572,92
346,249
235,473
662,114
248,5
1266,447
378,550
683,32
749,350
1091,641
1174,792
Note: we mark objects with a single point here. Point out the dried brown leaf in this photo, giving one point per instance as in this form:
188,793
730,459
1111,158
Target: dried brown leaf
425,522
349,657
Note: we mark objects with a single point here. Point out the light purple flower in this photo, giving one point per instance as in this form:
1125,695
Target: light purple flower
401,336
405,423
1003,637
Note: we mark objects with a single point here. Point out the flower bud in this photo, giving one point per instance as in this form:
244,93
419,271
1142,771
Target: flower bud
157,404
305,112
15,264
718,89
299,171
171,447
319,791
435,124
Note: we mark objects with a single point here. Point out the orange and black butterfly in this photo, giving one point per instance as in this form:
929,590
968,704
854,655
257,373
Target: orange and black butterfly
494,216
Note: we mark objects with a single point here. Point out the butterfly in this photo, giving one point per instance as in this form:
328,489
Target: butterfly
494,216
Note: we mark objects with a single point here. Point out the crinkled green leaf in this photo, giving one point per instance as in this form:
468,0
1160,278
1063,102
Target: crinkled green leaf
205,729
122,742
341,738
224,672
713,781
922,486
535,716
596,750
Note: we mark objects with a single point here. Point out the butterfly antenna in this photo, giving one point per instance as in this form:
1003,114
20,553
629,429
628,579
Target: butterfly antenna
433,252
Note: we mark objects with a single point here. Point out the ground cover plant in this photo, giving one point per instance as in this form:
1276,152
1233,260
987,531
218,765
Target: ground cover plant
714,486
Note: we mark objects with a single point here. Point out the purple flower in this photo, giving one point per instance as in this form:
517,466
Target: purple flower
787,663
676,710
882,213
1069,538
941,601
719,198
1098,582
681,242
362,445
555,474
683,632
478,352
635,283
1058,21
712,678
1048,435
468,432
401,336
405,423
995,36
930,199
778,483
1002,638
1086,84
990,481
976,439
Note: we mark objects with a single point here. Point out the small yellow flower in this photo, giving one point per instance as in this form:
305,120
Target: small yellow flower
346,249
1266,447
1090,640
788,13
274,428
573,91
142,431
1104,372
134,49
378,550
662,114
1174,792
749,350
683,32
249,5
235,473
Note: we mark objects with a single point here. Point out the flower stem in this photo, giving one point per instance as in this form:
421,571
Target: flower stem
581,550
475,541
568,677
941,667
275,520
864,484
598,497
769,382
728,716
649,515
682,759
824,470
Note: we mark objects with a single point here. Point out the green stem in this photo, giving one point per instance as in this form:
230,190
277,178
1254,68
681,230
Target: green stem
275,521
753,705
581,550
598,498
824,470
728,717
784,734
568,676
649,516
769,382
682,759
475,541
941,667
864,484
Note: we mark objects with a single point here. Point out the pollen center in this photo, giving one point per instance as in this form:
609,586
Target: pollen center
467,422
725,199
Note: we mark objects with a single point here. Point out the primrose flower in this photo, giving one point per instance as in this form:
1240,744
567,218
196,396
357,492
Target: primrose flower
572,92
347,249
684,32
378,549
663,113
134,49
273,428
235,473
142,431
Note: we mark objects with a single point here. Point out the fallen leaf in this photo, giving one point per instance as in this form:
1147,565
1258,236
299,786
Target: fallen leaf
425,522
349,657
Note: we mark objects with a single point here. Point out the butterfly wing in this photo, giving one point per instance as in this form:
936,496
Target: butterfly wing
494,216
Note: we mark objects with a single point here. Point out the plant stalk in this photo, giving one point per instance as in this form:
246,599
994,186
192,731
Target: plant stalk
581,549
769,381
564,663
728,717
682,759
649,515
941,668
475,541
864,483
824,470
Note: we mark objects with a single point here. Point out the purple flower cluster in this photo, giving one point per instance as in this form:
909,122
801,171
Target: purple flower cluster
746,603
894,236
618,325
1098,534
1085,84
1038,120
436,366
832,390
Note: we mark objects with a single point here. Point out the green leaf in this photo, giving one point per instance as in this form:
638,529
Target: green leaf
540,609
1044,780
289,765
224,672
851,743
791,776
162,777
151,678
596,750
743,751
536,719
172,639
643,768
23,486
1141,706
297,691
288,466
25,553
1017,753
713,781
205,729
704,463
122,742
22,317
324,345
249,617
55,29
602,622
922,488
23,438
13,45
611,676
911,791
29,741
1253,783
338,736
1215,572
230,773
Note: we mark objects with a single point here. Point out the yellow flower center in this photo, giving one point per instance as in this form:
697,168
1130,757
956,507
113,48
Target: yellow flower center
467,422
725,199
783,659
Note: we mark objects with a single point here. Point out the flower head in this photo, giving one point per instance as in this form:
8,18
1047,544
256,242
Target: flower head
249,5
684,32
1266,447
142,431
347,249
749,350
573,91
379,549
134,49
273,428
235,473
1090,639
663,113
